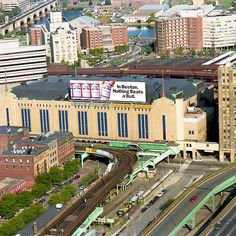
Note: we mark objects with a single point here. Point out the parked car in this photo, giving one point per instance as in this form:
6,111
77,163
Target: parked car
144,209
81,188
161,193
76,176
59,205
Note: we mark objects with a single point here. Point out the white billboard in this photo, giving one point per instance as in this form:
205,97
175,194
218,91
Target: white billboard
108,90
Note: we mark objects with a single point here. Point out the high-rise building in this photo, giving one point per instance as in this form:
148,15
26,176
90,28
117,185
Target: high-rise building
36,36
21,63
227,112
106,37
219,31
176,32
59,38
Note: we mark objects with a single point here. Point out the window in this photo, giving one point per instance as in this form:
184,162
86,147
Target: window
191,132
122,125
83,122
164,127
143,126
25,116
102,124
7,117
63,121
44,121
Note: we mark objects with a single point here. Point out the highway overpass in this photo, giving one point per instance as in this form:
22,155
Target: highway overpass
182,211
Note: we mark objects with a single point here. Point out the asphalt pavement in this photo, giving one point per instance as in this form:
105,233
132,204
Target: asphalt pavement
228,227
185,206
42,220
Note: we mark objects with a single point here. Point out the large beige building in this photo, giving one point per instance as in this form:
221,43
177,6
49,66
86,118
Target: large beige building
174,112
227,112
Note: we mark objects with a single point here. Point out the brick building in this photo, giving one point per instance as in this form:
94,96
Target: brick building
10,185
175,32
36,36
26,158
106,37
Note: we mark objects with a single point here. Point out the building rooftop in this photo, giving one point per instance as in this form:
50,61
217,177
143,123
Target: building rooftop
85,20
11,129
57,88
9,182
175,10
155,7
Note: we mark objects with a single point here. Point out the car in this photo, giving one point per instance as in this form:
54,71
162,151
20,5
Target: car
59,205
144,209
155,198
193,198
81,188
151,202
161,193
76,176
218,226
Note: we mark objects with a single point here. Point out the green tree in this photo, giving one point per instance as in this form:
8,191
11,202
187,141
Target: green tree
43,179
65,3
55,198
179,51
148,50
107,2
139,21
55,175
71,168
8,206
14,12
151,18
39,189
89,178
24,199
90,3
192,53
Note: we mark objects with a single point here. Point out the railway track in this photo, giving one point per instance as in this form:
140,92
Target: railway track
73,216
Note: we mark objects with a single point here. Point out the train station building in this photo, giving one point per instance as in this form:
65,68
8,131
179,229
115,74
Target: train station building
139,109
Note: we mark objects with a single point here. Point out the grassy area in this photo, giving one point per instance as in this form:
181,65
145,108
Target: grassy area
226,3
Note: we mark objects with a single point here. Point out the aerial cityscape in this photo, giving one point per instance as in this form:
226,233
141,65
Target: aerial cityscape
117,117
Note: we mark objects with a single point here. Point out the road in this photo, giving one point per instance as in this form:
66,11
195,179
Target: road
184,207
141,220
228,225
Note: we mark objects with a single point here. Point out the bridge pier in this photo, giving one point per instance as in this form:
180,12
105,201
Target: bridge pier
193,222
213,203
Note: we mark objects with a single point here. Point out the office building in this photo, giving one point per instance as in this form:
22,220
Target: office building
21,63
219,31
9,5
106,37
227,112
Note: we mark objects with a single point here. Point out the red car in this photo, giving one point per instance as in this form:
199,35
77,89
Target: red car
193,198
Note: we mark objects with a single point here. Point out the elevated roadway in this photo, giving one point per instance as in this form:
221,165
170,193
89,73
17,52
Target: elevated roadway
208,72
182,211
75,214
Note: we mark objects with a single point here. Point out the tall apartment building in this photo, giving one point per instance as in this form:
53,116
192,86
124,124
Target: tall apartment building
227,112
59,38
175,32
36,36
21,63
106,37
219,31
8,5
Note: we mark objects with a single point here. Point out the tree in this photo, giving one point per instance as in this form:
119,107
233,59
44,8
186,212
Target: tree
139,21
24,199
55,175
89,178
90,3
43,179
71,168
179,51
151,18
148,50
192,52
107,2
39,190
